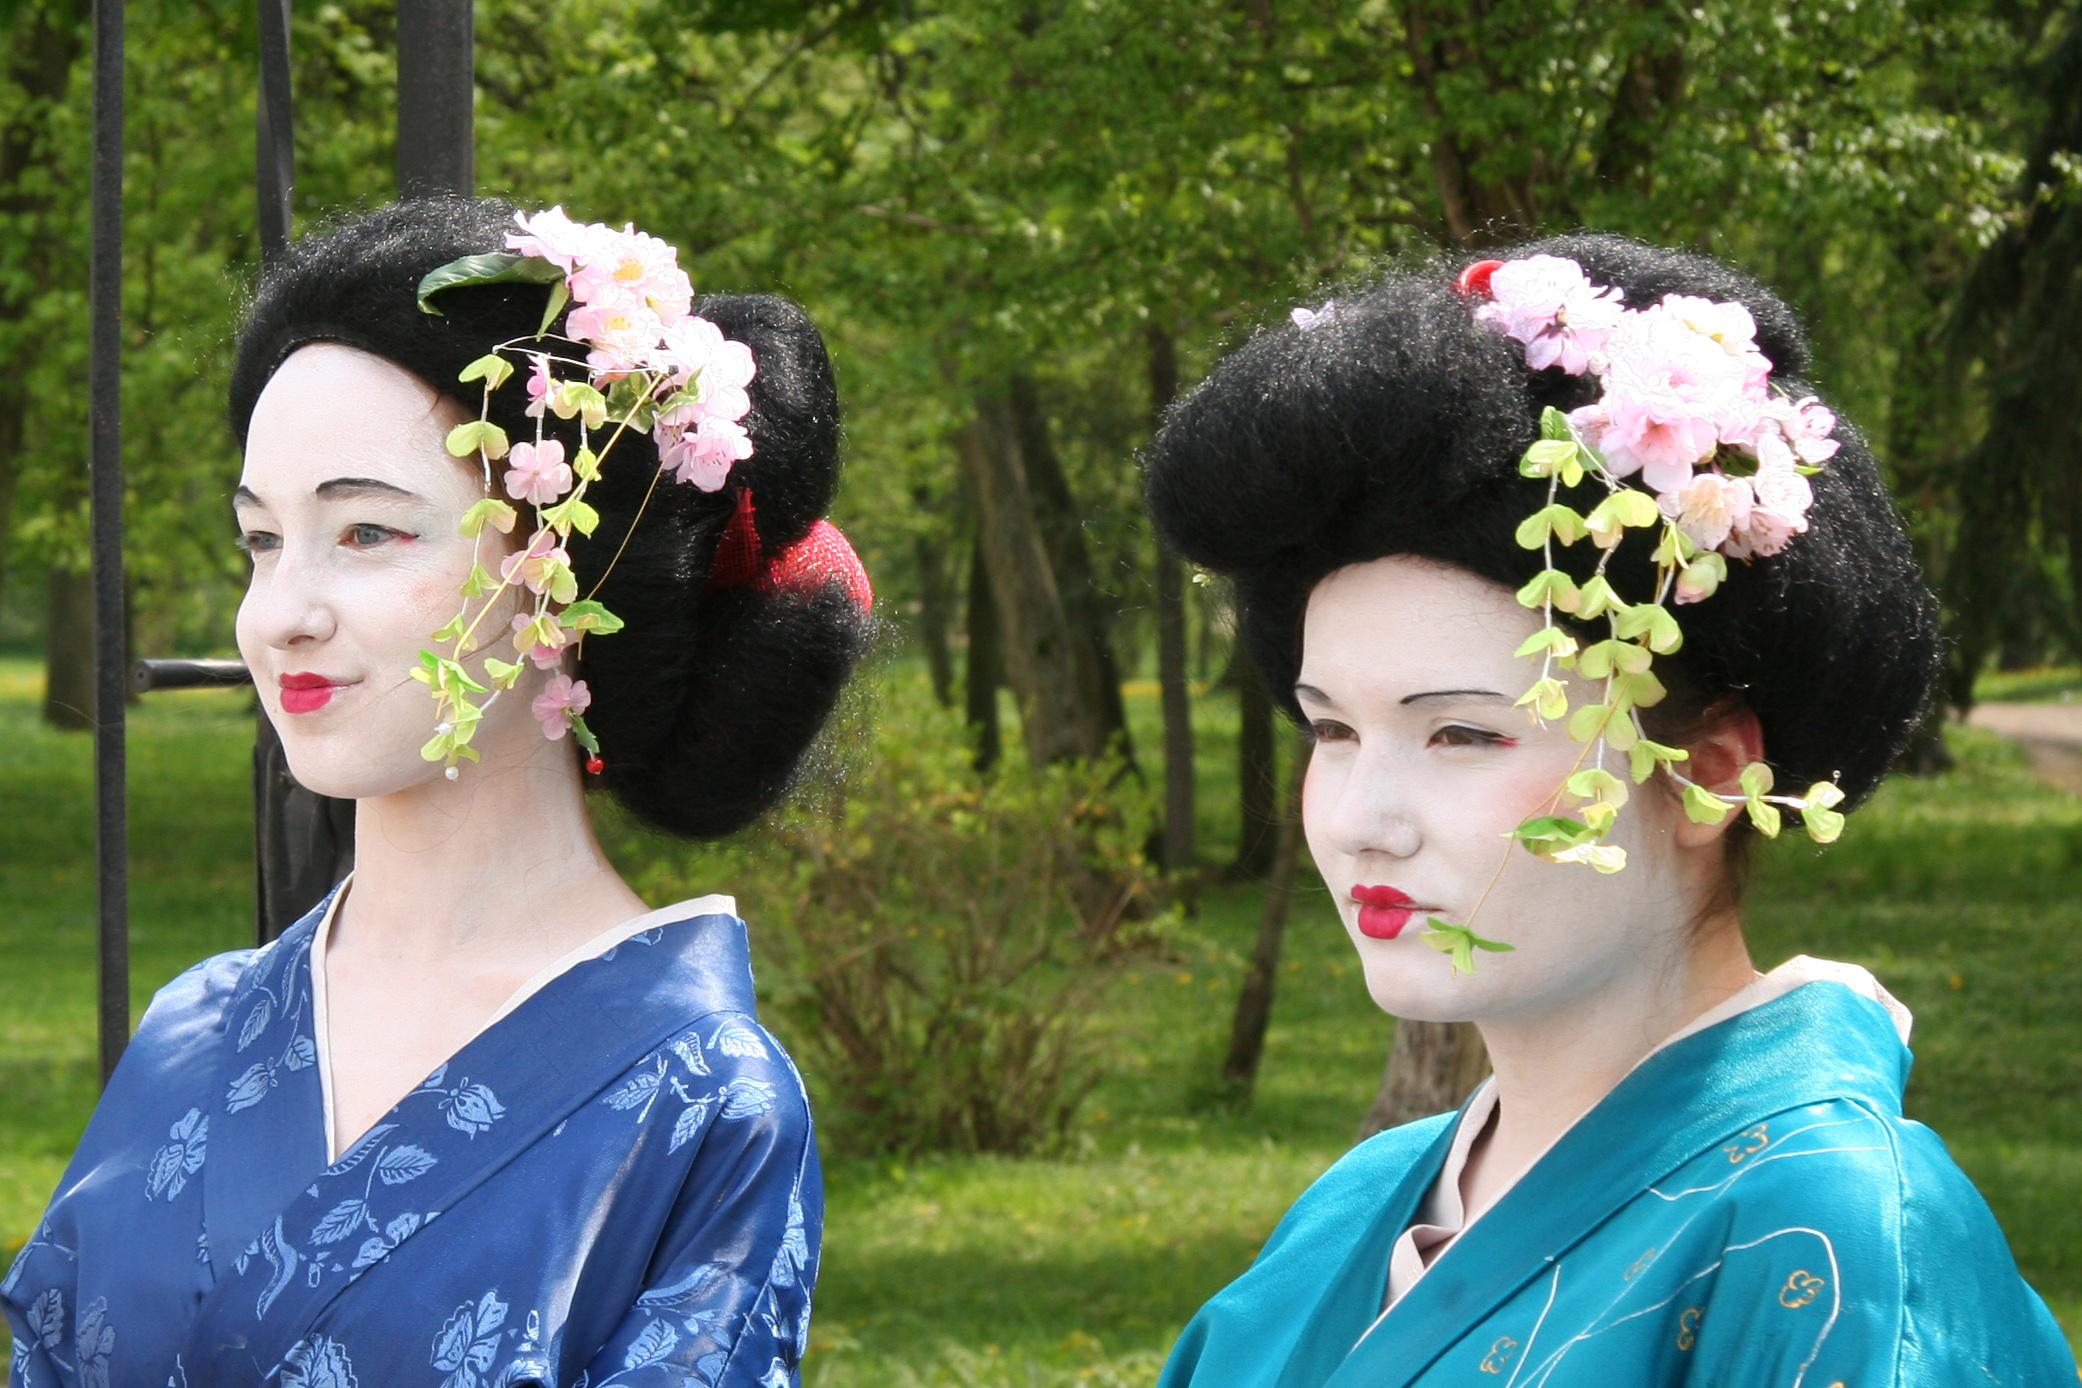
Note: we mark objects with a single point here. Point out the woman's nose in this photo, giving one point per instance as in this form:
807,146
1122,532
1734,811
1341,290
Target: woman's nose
1369,810
287,604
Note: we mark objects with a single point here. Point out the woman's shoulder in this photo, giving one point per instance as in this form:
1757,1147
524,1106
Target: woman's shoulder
1339,1204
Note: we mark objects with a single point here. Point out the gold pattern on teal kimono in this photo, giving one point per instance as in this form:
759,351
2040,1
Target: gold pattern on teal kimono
1748,1207
616,1184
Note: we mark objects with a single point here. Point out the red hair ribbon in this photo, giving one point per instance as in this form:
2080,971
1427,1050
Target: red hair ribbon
1474,281
817,558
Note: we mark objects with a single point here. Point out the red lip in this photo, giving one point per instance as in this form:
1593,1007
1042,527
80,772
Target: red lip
305,693
1383,911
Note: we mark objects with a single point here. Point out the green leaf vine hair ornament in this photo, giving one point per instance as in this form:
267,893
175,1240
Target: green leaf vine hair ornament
1687,410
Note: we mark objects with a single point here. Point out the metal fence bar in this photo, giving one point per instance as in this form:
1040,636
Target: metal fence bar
274,148
105,490
437,147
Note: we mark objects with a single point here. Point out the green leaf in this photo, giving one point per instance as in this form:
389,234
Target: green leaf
1702,806
586,465
591,616
1602,658
493,267
1610,518
584,735
452,631
1643,690
1459,943
479,582
1555,425
1765,817
1596,598
1549,638
490,511
559,295
1550,833
1756,779
1823,826
504,675
1588,722
571,514
1596,783
1547,457
1549,585
491,368
1557,520
1653,620
1548,697
1644,757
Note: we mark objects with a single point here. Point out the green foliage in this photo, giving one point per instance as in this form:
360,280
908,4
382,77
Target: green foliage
934,944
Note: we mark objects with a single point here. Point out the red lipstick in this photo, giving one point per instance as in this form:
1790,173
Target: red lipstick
1383,911
306,693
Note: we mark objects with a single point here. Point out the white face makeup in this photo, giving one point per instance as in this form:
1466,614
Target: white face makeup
1422,767
348,504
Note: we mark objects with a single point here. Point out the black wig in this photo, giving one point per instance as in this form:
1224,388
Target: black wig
1395,427
705,702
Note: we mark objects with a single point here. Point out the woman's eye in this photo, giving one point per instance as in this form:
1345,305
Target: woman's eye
1330,730
258,542
1456,735
369,536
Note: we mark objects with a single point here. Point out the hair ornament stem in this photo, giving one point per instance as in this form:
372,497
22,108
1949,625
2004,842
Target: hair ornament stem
1688,437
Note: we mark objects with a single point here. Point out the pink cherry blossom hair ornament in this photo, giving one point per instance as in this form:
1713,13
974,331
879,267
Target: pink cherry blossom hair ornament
650,364
1688,437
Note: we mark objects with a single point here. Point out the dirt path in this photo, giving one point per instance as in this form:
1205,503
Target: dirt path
2051,735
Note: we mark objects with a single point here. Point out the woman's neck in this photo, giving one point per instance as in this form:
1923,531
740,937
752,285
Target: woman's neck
500,864
1553,1067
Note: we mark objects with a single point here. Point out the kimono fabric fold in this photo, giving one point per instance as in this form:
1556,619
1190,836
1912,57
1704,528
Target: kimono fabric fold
616,1183
1749,1207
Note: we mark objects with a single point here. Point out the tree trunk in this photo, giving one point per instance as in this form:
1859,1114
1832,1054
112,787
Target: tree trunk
1255,774
986,663
68,652
1180,853
1254,1001
933,618
1432,1067
1045,661
44,40
1061,524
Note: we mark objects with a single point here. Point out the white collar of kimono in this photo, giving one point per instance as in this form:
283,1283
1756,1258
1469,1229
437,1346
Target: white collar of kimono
600,944
1442,1218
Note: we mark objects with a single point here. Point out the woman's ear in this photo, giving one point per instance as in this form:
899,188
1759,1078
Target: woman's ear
1731,739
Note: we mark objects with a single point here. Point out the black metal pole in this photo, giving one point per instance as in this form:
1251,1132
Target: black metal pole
437,147
105,488
274,152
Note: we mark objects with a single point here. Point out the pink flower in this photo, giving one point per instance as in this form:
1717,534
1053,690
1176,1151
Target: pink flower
1708,507
622,329
537,472
704,452
1672,395
694,351
1730,324
540,384
555,237
541,639
1783,499
561,700
631,265
1550,305
542,567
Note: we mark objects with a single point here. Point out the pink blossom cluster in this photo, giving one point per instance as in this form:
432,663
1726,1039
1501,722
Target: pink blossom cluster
635,312
1686,398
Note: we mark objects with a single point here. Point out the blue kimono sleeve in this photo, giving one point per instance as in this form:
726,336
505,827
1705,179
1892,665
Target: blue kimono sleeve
726,1302
1885,1268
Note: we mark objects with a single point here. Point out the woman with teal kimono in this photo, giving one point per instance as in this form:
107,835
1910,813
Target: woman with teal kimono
484,1117
1579,588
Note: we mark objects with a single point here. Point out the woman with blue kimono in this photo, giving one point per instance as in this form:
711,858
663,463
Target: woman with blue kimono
1579,588
484,1117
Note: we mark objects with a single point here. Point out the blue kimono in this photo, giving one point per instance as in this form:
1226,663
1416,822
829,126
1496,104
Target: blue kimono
1747,1208
616,1183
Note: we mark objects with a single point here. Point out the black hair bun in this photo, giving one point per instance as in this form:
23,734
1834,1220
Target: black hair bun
706,702
1395,426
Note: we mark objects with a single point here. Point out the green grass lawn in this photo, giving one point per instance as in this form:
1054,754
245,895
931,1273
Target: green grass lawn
1961,893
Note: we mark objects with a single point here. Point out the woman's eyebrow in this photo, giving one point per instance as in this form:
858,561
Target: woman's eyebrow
358,486
1482,694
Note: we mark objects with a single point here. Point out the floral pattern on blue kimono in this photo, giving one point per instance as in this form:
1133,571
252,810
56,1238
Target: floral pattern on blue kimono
616,1184
1747,1208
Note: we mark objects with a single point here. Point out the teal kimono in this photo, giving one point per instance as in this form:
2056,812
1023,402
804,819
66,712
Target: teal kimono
1748,1207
